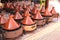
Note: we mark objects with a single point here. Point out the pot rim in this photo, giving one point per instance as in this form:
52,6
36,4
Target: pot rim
12,30
28,24
47,16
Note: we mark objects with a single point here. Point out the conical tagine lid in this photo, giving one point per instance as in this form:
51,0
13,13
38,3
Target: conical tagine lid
37,15
34,10
17,8
43,9
18,16
3,20
26,13
53,11
47,13
27,20
11,24
11,6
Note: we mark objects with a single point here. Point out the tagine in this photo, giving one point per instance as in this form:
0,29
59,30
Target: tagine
34,10
18,17
28,24
3,20
39,19
48,15
54,13
42,10
26,13
12,29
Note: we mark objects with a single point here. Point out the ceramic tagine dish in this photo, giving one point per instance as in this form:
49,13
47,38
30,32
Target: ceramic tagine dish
18,17
48,15
39,19
27,24
42,10
3,20
54,13
12,29
34,10
26,13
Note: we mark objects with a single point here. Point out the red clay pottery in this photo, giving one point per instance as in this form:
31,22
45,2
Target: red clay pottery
3,20
39,19
28,24
42,10
26,13
12,29
54,13
48,15
18,17
34,10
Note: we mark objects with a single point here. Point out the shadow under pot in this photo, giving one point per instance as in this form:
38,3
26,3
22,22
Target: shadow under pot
48,18
40,22
29,28
11,34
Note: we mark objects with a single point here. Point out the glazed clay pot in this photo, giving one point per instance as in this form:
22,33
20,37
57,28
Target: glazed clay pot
28,24
42,10
34,10
39,19
3,20
48,16
26,13
12,29
54,13
18,17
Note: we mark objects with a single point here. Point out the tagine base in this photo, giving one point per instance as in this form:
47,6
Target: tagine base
13,34
29,28
56,15
40,22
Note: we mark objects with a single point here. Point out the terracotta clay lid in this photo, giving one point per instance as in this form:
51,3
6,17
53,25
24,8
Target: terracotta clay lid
29,8
37,15
18,16
53,11
27,20
34,10
11,6
47,13
3,20
26,13
11,24
17,8
43,9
